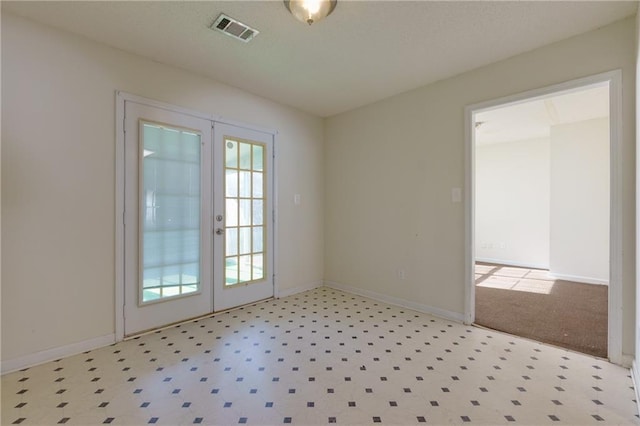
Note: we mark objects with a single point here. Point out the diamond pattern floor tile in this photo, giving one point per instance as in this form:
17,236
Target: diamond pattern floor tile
321,357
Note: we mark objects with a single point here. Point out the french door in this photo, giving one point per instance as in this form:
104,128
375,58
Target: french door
243,216
197,218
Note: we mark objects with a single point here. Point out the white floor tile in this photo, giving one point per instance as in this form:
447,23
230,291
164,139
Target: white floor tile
322,357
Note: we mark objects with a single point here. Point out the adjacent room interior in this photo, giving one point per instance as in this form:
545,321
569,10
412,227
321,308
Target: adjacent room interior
542,201
125,123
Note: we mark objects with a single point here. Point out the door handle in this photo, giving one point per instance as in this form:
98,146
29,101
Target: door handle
220,231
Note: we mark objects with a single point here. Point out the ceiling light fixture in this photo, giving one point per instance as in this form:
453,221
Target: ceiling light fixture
310,11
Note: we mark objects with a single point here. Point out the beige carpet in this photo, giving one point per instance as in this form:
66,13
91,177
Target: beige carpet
527,303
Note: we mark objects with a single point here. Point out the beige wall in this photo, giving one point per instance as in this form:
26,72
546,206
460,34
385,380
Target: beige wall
390,167
544,203
512,203
58,179
387,170
579,207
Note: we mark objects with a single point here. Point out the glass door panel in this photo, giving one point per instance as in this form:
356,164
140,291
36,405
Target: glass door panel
244,233
197,219
169,212
167,217
244,255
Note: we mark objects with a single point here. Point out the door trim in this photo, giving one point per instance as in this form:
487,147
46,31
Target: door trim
614,78
121,99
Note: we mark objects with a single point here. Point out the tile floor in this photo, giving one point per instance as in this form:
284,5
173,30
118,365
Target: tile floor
321,357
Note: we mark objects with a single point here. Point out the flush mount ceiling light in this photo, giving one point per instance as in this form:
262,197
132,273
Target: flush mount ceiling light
310,11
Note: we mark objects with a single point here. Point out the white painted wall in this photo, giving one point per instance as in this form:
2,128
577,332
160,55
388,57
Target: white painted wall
545,203
579,243
390,167
512,203
58,179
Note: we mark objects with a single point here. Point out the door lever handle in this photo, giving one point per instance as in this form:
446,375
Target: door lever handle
220,231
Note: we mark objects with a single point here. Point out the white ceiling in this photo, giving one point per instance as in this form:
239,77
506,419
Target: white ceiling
534,119
365,51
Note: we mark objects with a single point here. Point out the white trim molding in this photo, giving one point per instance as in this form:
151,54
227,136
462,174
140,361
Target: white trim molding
635,377
578,279
552,275
614,80
469,216
510,263
425,309
53,354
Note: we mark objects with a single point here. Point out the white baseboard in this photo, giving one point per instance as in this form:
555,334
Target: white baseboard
626,361
298,289
635,376
566,277
30,360
578,279
511,263
441,313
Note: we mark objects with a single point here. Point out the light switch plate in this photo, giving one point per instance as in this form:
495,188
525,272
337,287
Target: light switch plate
456,195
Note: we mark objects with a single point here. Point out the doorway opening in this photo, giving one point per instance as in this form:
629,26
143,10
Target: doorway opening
543,216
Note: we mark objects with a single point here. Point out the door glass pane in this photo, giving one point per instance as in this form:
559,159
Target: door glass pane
245,212
245,199
245,184
232,241
257,157
245,240
231,183
245,268
258,210
231,158
231,270
257,239
170,212
232,212
245,156
258,267
257,185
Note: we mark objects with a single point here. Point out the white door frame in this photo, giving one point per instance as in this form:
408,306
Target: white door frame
121,98
614,78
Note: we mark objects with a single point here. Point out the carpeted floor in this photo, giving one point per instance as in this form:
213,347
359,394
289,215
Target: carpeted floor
527,303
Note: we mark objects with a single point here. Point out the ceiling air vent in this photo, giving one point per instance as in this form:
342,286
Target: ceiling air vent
234,28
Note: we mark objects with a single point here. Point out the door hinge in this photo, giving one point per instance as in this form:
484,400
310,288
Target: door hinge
124,218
